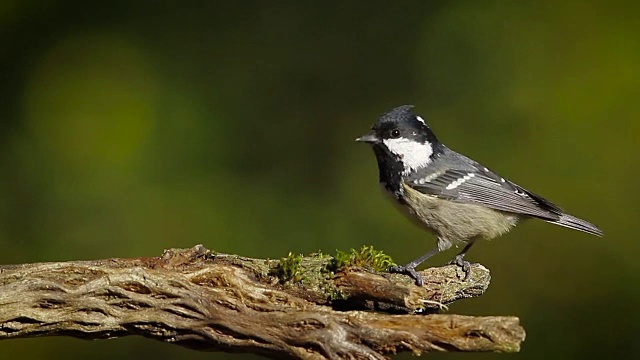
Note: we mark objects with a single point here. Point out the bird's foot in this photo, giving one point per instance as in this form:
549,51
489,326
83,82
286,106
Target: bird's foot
409,271
462,264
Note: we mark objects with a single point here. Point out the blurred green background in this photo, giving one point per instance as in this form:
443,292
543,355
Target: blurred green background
128,127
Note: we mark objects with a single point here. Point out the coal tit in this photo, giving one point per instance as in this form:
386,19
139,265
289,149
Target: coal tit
448,194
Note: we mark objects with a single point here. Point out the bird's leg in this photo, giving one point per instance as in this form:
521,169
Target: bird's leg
410,268
461,262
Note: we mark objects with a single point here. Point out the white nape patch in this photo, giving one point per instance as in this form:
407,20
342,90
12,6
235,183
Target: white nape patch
459,182
413,154
421,120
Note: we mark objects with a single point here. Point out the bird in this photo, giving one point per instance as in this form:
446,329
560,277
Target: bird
448,194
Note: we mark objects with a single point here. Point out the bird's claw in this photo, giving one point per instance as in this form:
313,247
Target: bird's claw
462,264
409,271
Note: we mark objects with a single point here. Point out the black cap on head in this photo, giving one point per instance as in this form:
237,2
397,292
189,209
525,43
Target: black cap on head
400,122
402,142
400,114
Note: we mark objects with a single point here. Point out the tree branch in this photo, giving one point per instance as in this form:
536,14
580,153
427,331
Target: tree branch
219,302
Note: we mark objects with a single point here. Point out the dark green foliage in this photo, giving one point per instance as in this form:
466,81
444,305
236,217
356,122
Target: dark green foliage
133,128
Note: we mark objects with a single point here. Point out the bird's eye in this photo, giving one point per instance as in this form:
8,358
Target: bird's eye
395,133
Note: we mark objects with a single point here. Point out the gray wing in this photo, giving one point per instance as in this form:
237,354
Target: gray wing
479,185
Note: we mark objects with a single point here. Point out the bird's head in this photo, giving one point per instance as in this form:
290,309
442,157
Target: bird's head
402,136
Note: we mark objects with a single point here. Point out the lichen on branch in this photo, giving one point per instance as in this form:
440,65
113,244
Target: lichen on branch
299,307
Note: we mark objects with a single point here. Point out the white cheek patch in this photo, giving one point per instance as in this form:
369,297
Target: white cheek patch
413,154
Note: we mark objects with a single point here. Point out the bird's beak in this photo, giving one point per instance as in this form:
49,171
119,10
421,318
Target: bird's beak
370,138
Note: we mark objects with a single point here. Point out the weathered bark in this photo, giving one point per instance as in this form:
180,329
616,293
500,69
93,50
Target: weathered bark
218,302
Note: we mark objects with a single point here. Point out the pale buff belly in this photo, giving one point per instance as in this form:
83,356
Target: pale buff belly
454,222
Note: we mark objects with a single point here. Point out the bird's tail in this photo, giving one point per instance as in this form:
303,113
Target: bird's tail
573,222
